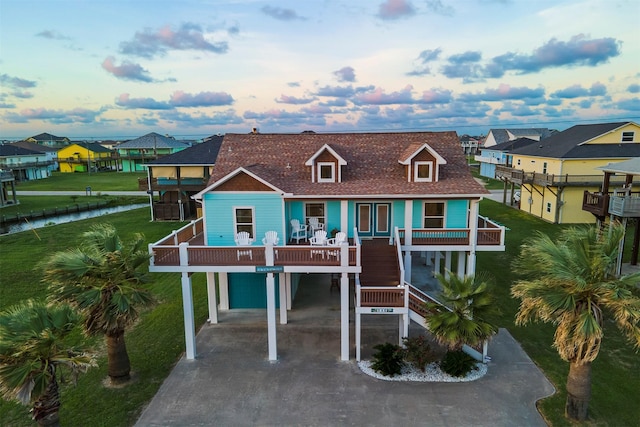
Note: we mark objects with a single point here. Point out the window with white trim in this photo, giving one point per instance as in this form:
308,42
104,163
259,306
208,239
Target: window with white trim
433,215
243,220
314,209
628,136
326,172
422,171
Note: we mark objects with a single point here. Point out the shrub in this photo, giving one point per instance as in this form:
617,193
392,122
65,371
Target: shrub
417,352
388,359
457,363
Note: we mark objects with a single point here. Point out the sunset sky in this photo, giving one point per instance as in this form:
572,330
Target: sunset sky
122,68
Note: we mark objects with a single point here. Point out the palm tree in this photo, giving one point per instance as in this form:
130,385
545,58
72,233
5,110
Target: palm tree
103,279
463,318
32,354
571,283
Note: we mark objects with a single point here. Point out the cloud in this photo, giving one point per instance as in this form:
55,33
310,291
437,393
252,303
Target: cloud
7,105
293,84
436,96
285,99
578,51
16,82
345,74
438,8
378,97
502,92
281,14
634,88
76,115
22,94
426,56
202,99
464,65
52,34
395,9
189,36
126,71
286,119
228,117
124,100
629,104
576,91
342,91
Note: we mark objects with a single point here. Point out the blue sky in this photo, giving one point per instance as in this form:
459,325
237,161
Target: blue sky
121,68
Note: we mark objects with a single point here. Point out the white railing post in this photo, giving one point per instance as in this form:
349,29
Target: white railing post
151,254
174,233
184,254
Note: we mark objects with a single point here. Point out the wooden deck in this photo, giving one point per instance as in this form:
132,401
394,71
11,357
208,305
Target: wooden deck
379,264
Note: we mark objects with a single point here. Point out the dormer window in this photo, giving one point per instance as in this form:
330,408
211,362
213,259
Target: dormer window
423,171
326,172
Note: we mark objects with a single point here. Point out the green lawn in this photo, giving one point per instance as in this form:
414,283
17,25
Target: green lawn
157,341
98,181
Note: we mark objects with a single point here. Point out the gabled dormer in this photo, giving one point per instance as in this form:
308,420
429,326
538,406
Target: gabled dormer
326,165
422,163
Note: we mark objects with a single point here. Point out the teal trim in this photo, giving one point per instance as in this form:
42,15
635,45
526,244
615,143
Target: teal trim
418,214
397,214
351,218
333,215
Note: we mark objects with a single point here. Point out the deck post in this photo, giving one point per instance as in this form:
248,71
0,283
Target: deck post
211,297
473,237
344,316
282,284
189,323
461,263
271,317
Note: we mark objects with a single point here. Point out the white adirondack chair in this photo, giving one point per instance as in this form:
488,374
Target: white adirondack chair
243,238
271,238
315,224
298,231
319,238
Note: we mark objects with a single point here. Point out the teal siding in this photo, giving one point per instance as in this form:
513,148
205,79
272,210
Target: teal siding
333,215
397,215
351,218
249,290
456,212
417,215
219,215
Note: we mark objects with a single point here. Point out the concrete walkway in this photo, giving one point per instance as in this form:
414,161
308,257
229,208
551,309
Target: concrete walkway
232,383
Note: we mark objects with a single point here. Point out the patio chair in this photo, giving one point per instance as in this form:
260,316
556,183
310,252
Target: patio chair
243,238
341,237
298,231
271,238
319,238
315,224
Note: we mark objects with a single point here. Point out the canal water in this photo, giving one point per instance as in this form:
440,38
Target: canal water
61,219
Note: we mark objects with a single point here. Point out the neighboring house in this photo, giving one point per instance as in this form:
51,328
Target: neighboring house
555,172
86,156
177,177
498,136
395,196
25,164
620,201
499,155
469,144
7,188
50,152
134,154
49,140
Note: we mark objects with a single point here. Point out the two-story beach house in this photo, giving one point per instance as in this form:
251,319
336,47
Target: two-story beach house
86,157
355,207
23,163
555,172
135,153
172,180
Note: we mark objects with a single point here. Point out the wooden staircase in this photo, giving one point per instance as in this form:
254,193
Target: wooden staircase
379,264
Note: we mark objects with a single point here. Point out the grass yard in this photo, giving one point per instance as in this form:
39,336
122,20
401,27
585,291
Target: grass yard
98,181
615,400
157,341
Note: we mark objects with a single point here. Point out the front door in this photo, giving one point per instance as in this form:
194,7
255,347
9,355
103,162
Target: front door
373,219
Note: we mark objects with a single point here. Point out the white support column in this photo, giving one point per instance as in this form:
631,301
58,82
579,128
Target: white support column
462,263
437,269
358,334
223,289
473,237
211,297
287,277
408,237
447,264
344,316
344,216
271,317
282,285
189,323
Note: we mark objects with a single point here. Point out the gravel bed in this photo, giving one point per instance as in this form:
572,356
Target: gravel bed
432,373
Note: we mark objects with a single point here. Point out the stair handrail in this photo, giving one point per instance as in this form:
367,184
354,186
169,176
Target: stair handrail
402,284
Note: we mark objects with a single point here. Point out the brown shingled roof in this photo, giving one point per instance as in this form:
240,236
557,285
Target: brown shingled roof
372,163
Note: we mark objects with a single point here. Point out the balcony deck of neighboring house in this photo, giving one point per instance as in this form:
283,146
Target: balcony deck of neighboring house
520,177
623,205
